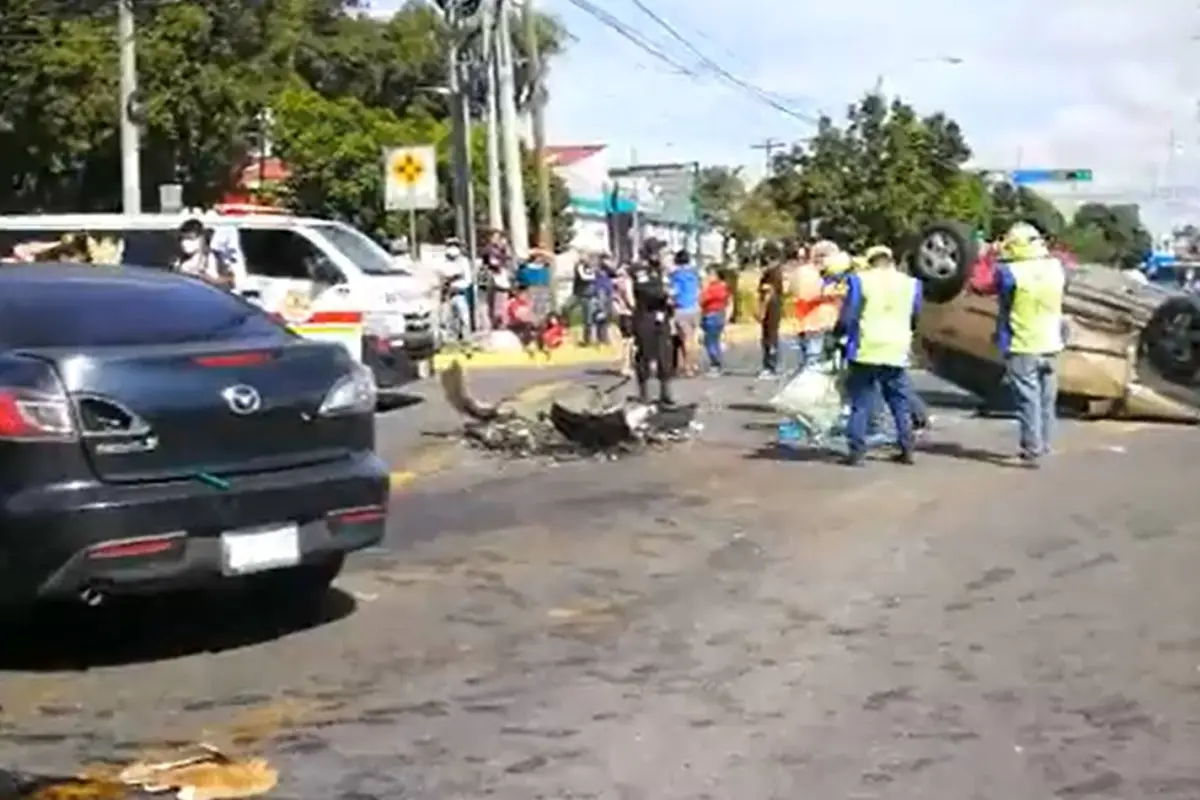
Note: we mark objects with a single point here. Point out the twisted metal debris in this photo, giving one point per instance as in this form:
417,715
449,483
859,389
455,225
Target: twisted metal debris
590,427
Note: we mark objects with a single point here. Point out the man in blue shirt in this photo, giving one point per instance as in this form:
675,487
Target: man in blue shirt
685,288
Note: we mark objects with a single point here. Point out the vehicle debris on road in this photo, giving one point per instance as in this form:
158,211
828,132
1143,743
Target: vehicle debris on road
588,424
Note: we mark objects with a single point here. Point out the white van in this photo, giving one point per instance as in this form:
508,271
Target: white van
280,262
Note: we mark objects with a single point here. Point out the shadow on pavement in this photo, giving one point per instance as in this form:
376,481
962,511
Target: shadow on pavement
761,407
937,398
964,453
775,452
132,630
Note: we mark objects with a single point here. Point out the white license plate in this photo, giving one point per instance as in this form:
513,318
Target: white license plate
258,549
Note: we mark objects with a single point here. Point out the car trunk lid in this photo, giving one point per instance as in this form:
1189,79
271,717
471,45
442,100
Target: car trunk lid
153,413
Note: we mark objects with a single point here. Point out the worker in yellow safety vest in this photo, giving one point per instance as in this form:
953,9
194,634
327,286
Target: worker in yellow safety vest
877,322
1031,332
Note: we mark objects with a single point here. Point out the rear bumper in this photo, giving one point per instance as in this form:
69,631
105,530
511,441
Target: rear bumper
57,541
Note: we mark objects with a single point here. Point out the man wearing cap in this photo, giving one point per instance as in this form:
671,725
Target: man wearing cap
877,322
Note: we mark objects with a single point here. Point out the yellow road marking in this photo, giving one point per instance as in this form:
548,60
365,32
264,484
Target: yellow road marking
432,459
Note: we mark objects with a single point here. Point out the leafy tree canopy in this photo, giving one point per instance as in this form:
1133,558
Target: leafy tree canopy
883,173
340,85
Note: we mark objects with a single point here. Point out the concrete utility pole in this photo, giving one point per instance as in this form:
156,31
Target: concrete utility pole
495,179
545,217
518,223
458,155
131,148
769,146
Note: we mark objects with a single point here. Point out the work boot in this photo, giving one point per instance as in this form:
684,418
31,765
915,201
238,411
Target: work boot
904,457
643,392
854,459
664,395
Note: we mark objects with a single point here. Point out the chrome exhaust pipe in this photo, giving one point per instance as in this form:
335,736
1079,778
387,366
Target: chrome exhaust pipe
91,597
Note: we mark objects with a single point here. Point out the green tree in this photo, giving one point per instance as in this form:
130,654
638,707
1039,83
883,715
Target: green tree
208,70
719,192
1012,204
880,177
756,217
333,149
1110,234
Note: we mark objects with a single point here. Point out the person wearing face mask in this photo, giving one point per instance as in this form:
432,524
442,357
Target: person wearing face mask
197,259
456,282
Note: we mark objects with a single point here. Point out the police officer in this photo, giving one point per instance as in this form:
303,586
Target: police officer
652,322
877,322
1030,332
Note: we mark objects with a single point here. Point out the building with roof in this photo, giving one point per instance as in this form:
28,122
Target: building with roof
606,212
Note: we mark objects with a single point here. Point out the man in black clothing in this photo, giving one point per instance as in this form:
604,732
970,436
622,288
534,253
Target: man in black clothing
770,308
652,325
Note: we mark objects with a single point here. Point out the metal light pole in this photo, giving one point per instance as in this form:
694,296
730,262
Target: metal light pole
518,222
538,108
131,168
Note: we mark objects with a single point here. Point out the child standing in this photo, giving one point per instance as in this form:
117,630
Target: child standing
714,310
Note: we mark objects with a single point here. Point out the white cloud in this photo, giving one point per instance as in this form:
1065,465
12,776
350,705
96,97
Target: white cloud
1059,83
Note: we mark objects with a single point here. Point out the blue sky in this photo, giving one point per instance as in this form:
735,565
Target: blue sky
1111,85
1047,83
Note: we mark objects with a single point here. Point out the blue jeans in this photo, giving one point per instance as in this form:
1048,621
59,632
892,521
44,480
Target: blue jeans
1034,383
917,411
459,323
864,382
712,326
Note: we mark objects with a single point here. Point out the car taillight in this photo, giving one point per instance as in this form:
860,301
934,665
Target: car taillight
353,394
34,414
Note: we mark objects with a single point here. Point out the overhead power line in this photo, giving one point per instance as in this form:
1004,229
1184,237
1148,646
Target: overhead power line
641,42
713,66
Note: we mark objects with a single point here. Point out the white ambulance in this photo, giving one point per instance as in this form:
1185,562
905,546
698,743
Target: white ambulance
310,271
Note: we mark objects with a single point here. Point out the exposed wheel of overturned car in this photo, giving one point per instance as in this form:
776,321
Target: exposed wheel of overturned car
942,258
1169,350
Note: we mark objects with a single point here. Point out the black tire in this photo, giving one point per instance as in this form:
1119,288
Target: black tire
941,258
1169,351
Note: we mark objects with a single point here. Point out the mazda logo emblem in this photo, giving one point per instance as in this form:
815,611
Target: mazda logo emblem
242,399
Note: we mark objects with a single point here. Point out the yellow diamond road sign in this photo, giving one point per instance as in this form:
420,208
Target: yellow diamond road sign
410,178
408,169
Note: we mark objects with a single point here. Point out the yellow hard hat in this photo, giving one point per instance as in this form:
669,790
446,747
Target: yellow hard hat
836,263
878,251
1023,242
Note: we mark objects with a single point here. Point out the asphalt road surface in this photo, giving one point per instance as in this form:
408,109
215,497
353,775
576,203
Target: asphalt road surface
718,620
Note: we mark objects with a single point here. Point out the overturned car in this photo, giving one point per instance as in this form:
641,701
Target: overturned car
1133,350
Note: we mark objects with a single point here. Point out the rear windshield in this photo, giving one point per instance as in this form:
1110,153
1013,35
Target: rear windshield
94,312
